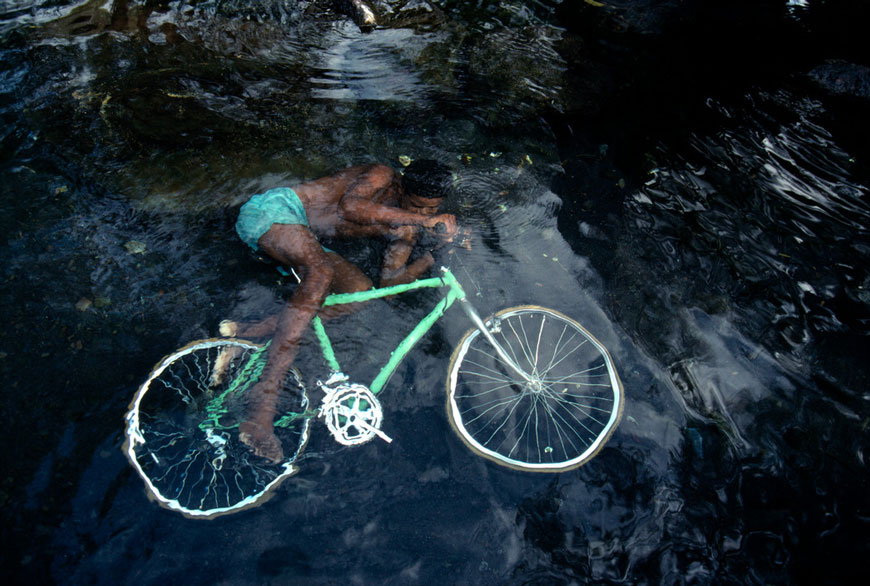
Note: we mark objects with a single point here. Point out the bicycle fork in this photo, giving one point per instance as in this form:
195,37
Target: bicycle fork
450,280
478,322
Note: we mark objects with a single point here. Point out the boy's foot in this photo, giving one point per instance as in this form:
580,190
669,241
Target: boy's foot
228,328
222,363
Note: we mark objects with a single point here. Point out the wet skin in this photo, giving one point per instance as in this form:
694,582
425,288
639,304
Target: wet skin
365,201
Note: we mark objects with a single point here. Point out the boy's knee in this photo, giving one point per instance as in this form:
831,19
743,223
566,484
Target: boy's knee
362,284
317,273
321,275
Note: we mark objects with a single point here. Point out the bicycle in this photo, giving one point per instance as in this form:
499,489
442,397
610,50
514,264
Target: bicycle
528,388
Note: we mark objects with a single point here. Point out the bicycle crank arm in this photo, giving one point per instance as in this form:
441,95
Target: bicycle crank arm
374,430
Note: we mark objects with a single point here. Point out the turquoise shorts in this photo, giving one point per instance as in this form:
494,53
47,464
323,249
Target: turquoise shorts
276,206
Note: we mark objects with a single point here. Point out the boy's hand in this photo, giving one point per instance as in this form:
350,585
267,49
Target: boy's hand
448,221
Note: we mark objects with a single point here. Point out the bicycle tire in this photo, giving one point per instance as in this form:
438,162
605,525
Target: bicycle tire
182,430
556,422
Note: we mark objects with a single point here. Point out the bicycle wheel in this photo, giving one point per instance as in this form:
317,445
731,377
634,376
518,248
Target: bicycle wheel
182,429
555,421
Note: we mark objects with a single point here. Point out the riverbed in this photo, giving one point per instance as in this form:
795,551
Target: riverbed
688,180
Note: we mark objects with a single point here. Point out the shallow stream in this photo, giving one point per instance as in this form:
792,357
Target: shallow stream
689,180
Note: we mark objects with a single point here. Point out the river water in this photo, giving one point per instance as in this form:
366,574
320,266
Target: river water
689,180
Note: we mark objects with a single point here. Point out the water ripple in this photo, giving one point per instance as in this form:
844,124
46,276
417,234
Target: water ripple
376,66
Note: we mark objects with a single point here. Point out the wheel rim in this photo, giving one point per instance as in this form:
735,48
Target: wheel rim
556,421
190,457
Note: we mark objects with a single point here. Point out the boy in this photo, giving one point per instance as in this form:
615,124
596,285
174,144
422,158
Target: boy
284,223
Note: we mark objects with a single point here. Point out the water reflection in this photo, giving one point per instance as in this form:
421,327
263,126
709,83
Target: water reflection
766,206
748,248
376,66
796,8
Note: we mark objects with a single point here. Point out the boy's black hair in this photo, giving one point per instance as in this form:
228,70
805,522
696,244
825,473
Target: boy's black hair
427,178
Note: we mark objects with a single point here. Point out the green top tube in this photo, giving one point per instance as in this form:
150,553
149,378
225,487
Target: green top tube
253,368
447,279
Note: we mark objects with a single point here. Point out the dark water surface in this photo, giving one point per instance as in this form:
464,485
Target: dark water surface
689,180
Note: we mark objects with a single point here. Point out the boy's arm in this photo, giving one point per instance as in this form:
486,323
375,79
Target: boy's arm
396,270
359,205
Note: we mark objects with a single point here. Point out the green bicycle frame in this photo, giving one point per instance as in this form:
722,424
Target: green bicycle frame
216,408
454,292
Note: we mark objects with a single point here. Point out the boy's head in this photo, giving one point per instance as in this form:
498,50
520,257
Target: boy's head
427,181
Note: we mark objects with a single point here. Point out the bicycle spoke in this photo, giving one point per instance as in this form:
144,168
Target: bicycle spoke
538,343
556,346
579,406
525,427
498,373
567,355
495,405
562,435
507,417
524,343
578,373
500,400
576,419
486,392
565,380
505,344
565,394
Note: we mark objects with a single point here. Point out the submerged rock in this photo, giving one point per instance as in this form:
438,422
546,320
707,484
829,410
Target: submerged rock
368,14
135,247
361,12
843,79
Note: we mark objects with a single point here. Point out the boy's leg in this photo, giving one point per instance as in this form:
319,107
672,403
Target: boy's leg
296,246
347,278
